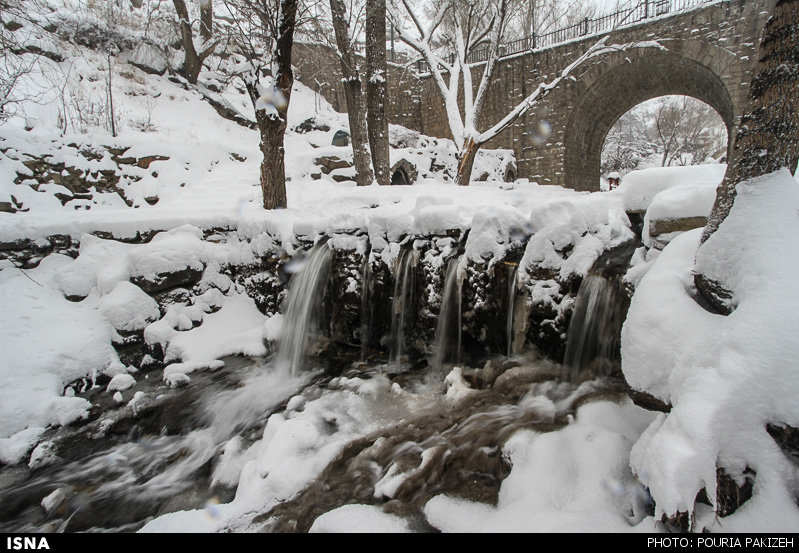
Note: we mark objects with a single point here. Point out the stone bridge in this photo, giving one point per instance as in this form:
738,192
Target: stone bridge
709,52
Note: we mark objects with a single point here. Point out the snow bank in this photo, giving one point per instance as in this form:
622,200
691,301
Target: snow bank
725,377
639,187
359,519
46,342
575,479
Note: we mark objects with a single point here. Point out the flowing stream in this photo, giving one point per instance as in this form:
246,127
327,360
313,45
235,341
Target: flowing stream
401,437
593,344
402,302
447,344
301,322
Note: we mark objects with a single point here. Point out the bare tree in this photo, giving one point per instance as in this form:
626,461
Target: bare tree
193,57
15,62
377,89
768,137
470,25
344,24
263,32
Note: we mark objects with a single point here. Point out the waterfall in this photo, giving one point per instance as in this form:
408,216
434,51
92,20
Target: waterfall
366,306
401,303
447,344
511,305
301,318
593,343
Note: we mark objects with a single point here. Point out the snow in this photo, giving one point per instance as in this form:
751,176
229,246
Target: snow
359,519
576,479
694,200
237,328
47,342
128,307
638,188
724,376
120,383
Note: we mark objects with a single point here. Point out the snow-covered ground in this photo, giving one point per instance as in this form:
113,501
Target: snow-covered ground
726,377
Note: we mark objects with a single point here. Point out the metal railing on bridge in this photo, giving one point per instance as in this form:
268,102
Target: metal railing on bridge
645,10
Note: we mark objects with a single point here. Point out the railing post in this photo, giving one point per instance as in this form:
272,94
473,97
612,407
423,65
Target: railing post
646,9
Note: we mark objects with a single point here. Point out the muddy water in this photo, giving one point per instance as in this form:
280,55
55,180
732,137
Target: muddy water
444,447
145,459
123,469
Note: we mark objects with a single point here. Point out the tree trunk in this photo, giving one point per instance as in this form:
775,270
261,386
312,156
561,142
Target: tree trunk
768,136
273,168
206,19
272,127
353,94
192,64
377,89
466,159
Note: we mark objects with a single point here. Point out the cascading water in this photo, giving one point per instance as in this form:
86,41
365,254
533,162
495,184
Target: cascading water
401,303
511,309
593,344
301,319
366,306
447,345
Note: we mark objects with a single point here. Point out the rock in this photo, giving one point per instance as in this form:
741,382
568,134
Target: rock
149,59
787,437
647,401
165,281
311,124
343,178
331,163
341,138
666,226
730,494
403,172
144,162
152,200
121,382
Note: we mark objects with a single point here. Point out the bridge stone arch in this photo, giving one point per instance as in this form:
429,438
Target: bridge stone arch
623,85
712,49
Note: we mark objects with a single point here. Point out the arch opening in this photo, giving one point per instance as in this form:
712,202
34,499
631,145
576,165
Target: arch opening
663,132
621,88
400,178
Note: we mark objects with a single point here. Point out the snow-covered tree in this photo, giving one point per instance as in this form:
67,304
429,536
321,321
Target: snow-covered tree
346,24
195,54
263,33
768,136
377,89
461,40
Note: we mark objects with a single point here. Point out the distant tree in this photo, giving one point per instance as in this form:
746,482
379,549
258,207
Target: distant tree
377,89
194,57
464,36
345,21
768,136
626,144
263,33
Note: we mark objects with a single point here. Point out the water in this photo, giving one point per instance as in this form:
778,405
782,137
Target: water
402,303
127,467
436,446
366,307
593,343
447,344
401,441
301,319
511,309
